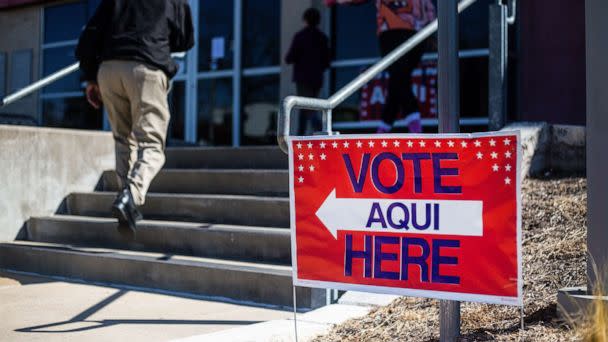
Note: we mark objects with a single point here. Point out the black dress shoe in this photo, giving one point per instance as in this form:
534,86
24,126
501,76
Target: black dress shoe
126,212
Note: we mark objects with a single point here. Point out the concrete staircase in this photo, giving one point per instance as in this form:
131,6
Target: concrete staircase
216,224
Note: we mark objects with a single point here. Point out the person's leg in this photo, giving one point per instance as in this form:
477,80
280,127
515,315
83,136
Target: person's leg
409,103
147,89
390,40
118,107
308,115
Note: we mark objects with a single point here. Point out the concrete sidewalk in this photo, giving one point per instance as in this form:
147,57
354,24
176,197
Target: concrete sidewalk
45,309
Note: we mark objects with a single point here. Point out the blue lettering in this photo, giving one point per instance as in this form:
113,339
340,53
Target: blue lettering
438,172
406,216
366,255
416,158
359,182
439,260
379,256
376,177
427,222
406,259
376,210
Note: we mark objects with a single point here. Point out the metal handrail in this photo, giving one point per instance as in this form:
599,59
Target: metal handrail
52,78
327,105
39,84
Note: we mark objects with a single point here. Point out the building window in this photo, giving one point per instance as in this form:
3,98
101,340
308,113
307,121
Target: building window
63,101
262,33
216,35
260,110
214,111
3,67
354,31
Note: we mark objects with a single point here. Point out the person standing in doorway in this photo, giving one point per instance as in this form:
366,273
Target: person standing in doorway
125,57
398,21
309,54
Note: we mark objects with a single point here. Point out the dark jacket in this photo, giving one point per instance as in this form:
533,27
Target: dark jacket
309,54
137,30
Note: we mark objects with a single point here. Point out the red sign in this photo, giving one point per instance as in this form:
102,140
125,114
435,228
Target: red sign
424,87
418,215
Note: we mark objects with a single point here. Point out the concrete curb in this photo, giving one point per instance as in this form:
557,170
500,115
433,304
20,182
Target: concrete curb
352,304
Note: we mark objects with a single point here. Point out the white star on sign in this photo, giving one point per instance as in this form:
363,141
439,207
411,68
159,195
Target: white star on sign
346,144
507,154
507,181
508,167
477,143
492,142
309,145
494,155
451,143
384,143
323,156
334,144
299,145
437,143
322,145
410,144
371,144
311,168
463,144
422,143
311,157
396,143
479,155
301,168
301,179
359,144
495,167
301,156
507,142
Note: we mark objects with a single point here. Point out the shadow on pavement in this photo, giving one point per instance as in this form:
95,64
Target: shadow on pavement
83,324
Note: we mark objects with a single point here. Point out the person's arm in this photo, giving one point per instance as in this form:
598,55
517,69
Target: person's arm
88,50
182,30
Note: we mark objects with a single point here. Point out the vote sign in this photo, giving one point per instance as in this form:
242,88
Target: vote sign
417,215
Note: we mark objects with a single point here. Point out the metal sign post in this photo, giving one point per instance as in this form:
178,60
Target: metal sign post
449,116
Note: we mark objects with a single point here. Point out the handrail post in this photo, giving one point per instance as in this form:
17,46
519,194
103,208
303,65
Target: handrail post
449,115
497,65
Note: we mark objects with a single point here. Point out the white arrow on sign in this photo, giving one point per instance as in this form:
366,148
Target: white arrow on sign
464,218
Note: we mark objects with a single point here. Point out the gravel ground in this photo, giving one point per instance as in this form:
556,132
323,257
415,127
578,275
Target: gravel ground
554,247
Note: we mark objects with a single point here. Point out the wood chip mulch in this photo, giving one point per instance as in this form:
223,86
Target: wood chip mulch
554,247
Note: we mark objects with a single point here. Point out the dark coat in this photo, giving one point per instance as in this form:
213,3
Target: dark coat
138,30
309,54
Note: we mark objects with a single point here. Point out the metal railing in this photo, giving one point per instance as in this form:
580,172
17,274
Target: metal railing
327,105
21,93
39,84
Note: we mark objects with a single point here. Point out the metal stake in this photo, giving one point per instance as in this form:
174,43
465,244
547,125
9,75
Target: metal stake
449,116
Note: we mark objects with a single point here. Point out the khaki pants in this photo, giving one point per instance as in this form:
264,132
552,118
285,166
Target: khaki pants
135,97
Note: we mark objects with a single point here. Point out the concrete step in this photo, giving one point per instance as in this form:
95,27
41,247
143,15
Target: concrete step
241,281
217,209
269,245
223,182
258,157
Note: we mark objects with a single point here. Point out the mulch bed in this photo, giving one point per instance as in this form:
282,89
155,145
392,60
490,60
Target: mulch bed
554,247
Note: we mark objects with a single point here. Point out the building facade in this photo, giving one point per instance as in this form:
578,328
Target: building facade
229,87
